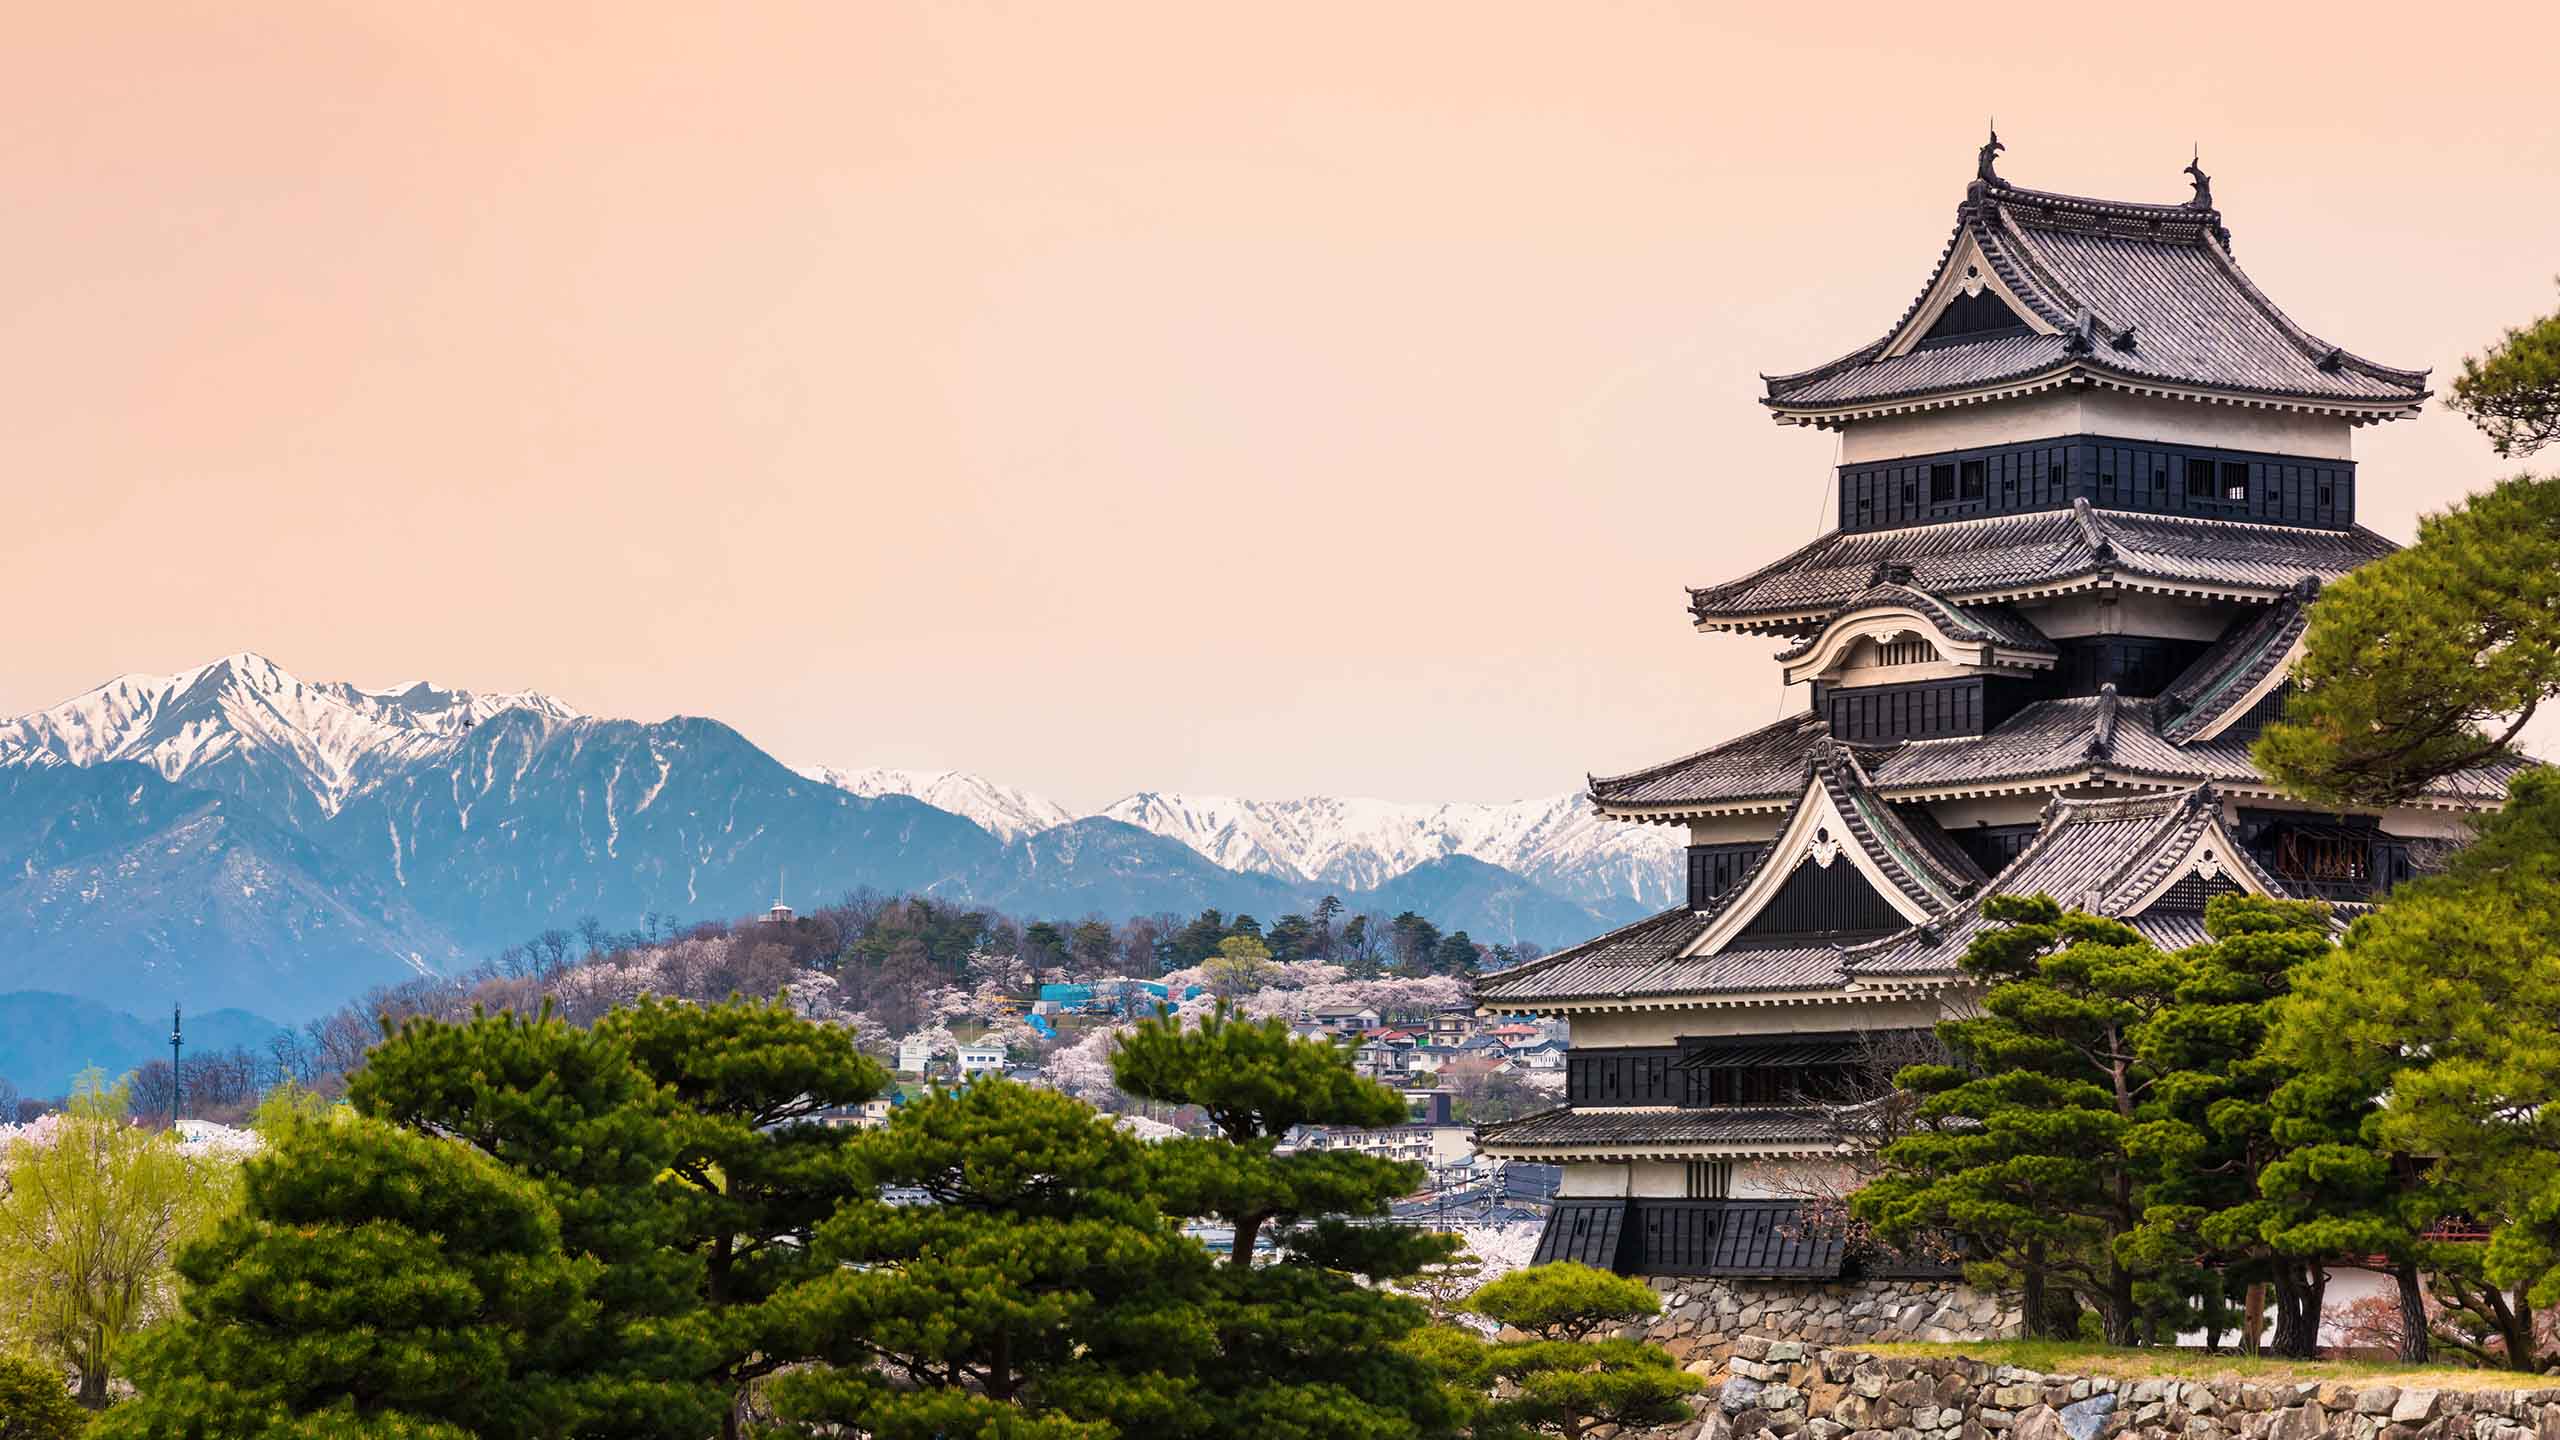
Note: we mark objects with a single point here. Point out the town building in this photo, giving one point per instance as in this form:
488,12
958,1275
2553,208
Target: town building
1430,1134
914,1053
976,1060
1452,1027
2088,485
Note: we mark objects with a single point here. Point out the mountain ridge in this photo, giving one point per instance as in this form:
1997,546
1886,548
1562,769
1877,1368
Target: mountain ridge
231,835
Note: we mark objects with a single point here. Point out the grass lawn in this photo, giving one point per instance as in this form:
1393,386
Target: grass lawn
2064,1357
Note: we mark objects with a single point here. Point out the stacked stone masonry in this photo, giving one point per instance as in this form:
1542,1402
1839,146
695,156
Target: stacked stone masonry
1792,1390
1703,1317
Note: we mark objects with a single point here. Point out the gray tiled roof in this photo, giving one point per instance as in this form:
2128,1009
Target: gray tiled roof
2220,680
1761,764
2142,295
1999,624
1931,871
2063,741
1646,958
2103,856
1962,562
1735,1125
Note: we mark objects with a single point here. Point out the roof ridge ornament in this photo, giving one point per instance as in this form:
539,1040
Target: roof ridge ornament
2203,199
1983,173
2102,731
2102,550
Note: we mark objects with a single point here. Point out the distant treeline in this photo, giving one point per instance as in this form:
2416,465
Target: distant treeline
887,957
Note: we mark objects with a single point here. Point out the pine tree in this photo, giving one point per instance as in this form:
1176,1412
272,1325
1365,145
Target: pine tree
1258,1082
2207,1133
33,1404
572,1111
2513,392
2024,1150
1454,955
746,1078
1564,1381
375,1282
1305,1347
2433,659
1040,1295
2447,1001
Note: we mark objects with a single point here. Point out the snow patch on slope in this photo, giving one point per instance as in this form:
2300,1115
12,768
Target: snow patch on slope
248,710
1356,843
1004,811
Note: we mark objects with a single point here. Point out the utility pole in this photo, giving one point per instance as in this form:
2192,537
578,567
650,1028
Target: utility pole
177,1036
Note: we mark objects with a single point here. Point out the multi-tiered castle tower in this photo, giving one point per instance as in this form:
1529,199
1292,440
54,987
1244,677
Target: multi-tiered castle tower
2090,483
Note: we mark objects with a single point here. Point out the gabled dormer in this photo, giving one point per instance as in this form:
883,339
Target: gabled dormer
1844,864
1894,628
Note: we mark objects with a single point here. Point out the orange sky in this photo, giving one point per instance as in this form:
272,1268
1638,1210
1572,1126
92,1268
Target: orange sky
1103,395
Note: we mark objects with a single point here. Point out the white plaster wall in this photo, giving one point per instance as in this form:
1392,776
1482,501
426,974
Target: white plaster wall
1726,829
2190,422
2031,417
1589,1179
1789,1179
1961,815
1855,676
1664,1027
1660,1179
2055,413
2132,613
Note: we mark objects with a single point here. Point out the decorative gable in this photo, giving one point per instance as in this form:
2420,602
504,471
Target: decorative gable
1824,897
1967,300
1872,625
1844,862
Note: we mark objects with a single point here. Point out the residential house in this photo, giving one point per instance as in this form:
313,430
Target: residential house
1452,1027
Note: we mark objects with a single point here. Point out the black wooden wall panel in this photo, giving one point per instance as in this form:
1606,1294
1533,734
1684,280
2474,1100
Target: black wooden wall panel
1824,900
1587,1232
1716,869
2113,473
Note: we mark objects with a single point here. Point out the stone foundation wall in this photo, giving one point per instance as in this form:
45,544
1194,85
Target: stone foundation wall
1703,1318
1787,1390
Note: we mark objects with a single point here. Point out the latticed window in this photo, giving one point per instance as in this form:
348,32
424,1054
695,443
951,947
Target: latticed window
1710,1179
1899,652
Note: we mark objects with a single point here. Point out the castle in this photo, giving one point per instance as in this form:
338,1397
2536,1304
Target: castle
2090,483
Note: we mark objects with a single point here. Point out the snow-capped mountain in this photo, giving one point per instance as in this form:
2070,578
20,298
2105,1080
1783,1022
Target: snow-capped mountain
231,835
243,724
1341,843
1361,844
1003,811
